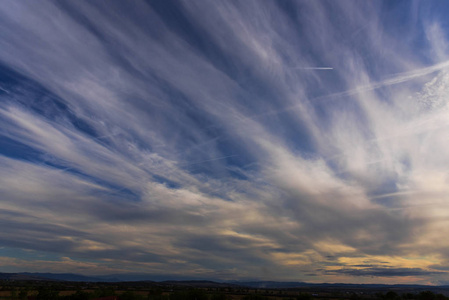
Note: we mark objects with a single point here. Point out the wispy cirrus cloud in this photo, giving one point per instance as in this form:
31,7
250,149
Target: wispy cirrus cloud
187,138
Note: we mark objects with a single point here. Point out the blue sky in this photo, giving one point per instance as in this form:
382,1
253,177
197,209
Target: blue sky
271,140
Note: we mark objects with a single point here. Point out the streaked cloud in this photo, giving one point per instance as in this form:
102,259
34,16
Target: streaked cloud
195,139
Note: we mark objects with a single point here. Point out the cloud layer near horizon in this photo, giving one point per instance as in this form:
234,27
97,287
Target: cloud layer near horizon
208,139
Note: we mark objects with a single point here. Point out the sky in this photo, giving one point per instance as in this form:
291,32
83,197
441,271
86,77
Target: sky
284,140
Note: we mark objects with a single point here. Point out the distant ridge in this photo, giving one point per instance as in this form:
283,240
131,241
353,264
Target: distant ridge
270,284
150,279
23,277
61,276
287,284
199,283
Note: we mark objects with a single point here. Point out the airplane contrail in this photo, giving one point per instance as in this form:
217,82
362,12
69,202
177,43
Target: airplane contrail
6,91
208,160
315,68
398,78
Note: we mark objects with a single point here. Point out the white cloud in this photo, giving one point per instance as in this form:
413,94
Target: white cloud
210,152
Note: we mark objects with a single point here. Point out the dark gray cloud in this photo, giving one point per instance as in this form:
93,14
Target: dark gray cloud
386,272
